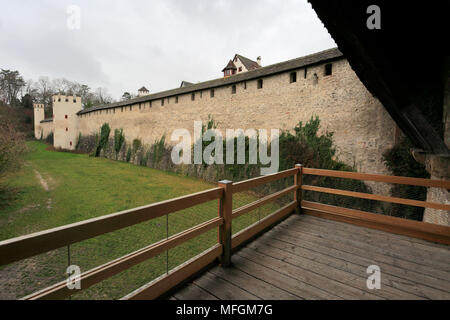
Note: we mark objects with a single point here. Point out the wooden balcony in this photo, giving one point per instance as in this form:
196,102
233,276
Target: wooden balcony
315,250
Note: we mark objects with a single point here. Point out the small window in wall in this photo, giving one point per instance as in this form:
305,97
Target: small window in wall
211,93
328,69
67,99
176,99
193,96
59,99
114,110
150,104
121,109
67,129
305,73
260,83
74,100
240,69
70,142
131,108
245,85
65,116
201,94
140,106
293,77
233,88
162,102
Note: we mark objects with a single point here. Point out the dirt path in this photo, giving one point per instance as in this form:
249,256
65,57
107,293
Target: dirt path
43,183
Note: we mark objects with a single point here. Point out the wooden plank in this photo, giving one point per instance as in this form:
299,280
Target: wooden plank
421,230
93,276
298,182
390,281
327,284
377,245
428,275
351,228
251,183
223,289
350,279
161,285
225,208
262,289
293,285
29,245
261,225
258,203
378,197
379,178
194,292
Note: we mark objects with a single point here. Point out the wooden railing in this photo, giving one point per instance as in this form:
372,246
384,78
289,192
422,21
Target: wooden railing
417,229
26,246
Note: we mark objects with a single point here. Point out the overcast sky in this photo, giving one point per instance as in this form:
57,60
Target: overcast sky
123,45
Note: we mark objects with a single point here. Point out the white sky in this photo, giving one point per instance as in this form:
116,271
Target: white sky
123,45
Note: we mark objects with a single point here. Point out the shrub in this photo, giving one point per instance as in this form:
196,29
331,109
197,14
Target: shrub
137,143
401,163
119,139
103,139
128,154
12,147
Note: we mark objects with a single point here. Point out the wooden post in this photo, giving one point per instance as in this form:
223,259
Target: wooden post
225,212
298,192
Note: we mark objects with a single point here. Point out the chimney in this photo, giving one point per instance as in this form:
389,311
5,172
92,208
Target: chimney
258,60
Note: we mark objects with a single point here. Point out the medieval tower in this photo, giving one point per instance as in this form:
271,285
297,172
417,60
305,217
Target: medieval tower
65,120
38,117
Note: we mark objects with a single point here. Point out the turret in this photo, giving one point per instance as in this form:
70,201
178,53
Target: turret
38,117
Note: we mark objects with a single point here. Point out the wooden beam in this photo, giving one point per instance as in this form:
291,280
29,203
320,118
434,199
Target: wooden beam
176,276
226,213
29,245
252,183
379,178
258,203
298,183
411,228
378,197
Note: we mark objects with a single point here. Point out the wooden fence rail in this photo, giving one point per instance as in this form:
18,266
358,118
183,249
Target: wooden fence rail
26,246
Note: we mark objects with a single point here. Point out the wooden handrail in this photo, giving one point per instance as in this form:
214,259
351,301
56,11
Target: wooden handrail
252,183
93,276
29,245
258,203
379,178
378,197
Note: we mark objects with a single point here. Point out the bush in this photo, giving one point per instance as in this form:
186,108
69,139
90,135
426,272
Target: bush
119,139
137,143
12,147
128,154
103,140
401,163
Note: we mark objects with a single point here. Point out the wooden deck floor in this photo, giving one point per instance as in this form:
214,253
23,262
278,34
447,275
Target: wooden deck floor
305,257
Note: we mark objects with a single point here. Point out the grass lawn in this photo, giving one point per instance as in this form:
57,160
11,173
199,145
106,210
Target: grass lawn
58,188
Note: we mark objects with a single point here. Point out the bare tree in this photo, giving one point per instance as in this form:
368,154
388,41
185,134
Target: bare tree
11,83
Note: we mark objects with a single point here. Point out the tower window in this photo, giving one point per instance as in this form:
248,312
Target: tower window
121,109
240,69
65,116
293,77
59,99
260,83
328,69
306,72
131,108
70,142
233,89
162,102
67,129
140,106
245,85
212,93
67,100
176,99
74,100
192,96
